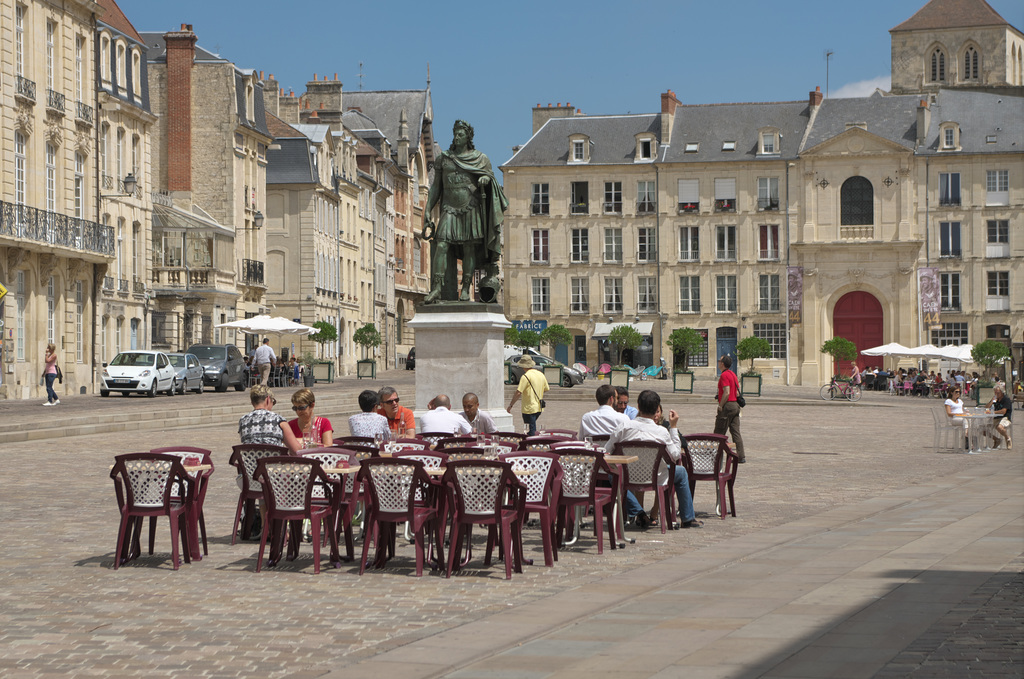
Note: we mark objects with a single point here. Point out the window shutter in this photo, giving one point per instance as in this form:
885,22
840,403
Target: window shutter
725,188
689,190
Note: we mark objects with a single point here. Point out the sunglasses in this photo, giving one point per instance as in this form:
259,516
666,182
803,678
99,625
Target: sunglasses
299,409
391,401
273,401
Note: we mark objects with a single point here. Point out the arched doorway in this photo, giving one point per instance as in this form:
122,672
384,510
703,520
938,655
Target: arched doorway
858,318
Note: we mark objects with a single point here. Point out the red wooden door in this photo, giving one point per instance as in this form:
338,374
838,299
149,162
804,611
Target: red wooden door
858,318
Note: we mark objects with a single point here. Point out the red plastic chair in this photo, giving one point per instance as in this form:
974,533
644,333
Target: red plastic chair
469,453
432,437
654,471
392,485
486,492
579,489
197,520
288,484
536,443
455,442
406,444
510,438
542,492
709,458
363,440
334,458
557,432
604,369
143,483
244,458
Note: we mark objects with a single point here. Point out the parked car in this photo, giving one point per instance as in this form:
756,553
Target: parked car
223,365
570,376
138,372
511,351
189,372
410,360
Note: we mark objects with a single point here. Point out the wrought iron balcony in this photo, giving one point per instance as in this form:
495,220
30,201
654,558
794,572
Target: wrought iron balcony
83,112
25,88
725,205
123,285
138,287
252,272
613,208
108,282
579,208
689,207
55,101
22,221
767,203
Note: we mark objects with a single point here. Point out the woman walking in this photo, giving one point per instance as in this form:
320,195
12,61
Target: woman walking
50,375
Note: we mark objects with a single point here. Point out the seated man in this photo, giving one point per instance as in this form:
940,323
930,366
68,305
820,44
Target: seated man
606,418
645,428
439,417
401,421
369,423
1002,406
622,403
479,420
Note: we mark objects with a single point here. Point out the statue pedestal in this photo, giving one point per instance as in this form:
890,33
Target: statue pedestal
459,349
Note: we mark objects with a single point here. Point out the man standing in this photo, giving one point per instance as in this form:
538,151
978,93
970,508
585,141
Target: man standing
531,389
1001,405
472,210
440,418
480,421
606,418
622,403
728,418
401,421
265,358
645,428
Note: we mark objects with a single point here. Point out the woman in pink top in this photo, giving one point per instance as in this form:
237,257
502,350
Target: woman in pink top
310,430
50,374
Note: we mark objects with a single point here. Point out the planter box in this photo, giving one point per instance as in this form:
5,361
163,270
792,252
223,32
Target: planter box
750,385
619,378
366,368
509,377
553,374
682,381
985,395
323,372
307,379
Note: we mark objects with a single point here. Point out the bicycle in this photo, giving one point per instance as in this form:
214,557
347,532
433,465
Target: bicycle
836,389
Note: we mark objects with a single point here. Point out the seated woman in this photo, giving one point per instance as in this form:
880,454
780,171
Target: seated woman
955,406
262,425
309,430
368,423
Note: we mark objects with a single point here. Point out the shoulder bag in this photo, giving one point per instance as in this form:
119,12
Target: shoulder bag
543,403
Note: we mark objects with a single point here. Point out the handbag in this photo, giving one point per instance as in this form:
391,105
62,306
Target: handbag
740,401
543,403
60,375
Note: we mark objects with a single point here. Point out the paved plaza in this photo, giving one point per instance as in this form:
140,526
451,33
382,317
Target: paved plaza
856,552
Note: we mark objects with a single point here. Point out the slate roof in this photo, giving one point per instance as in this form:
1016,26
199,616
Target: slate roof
939,14
612,139
384,107
157,52
979,114
259,114
115,18
890,117
712,125
317,133
291,164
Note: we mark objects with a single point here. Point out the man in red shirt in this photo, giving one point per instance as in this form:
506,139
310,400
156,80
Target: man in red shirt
401,421
728,417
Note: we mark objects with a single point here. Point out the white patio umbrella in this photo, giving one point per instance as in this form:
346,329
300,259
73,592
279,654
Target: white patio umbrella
268,325
957,352
890,349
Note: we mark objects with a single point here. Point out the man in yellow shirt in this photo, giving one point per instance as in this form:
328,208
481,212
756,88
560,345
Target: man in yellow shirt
531,389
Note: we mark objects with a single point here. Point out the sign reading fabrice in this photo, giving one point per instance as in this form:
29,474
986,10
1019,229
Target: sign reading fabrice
535,326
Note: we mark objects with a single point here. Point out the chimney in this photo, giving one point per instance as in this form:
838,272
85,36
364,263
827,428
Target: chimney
815,98
181,53
924,118
403,140
668,115
272,93
541,114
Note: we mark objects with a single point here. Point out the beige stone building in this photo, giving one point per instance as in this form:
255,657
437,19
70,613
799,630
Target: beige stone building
792,221
209,170
54,252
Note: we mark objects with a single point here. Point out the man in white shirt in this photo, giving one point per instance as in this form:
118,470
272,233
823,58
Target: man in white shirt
440,418
480,421
605,419
265,358
645,428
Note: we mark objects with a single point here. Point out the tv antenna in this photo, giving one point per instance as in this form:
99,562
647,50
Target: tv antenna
828,58
361,74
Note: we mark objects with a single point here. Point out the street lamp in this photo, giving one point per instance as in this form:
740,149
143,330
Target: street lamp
257,219
129,183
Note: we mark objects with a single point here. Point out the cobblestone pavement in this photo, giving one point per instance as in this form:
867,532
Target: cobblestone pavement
66,612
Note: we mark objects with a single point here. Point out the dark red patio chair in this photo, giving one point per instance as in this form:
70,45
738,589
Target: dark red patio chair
510,438
654,471
541,442
564,433
244,458
708,457
580,468
334,458
192,456
542,492
455,442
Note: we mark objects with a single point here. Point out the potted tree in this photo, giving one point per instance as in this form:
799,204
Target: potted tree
685,341
840,349
989,353
323,371
308,360
368,338
750,348
623,337
552,335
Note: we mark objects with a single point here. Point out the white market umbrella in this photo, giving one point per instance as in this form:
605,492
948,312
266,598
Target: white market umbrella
268,325
891,349
957,352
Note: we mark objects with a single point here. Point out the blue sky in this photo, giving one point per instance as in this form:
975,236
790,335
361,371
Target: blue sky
490,63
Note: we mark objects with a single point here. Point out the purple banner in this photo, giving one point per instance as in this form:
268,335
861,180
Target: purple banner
931,299
795,294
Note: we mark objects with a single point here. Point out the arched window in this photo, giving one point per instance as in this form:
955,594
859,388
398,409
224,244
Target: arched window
857,199
970,64
938,65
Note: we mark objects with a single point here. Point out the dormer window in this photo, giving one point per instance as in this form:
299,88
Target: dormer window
646,147
949,136
579,149
728,146
691,147
768,142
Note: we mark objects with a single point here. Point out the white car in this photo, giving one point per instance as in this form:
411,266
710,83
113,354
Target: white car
139,372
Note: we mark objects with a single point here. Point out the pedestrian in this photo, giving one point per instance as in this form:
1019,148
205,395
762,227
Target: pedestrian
532,386
50,375
264,358
728,417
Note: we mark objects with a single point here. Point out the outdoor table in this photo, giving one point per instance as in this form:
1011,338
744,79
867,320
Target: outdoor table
620,520
979,425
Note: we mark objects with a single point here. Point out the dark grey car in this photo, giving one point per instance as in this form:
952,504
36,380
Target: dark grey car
570,376
223,365
190,372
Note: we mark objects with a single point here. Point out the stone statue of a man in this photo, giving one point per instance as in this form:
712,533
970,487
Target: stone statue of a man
472,207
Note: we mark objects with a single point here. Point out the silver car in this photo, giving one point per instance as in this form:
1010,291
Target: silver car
570,376
189,373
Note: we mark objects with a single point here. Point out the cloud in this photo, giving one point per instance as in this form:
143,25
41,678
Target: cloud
863,88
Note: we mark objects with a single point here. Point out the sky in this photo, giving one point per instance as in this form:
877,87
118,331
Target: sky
491,64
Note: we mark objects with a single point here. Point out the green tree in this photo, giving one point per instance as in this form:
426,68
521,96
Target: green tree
325,332
512,336
624,337
989,353
686,341
367,337
840,349
555,334
528,338
749,348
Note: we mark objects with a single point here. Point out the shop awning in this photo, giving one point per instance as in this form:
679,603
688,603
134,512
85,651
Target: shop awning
601,330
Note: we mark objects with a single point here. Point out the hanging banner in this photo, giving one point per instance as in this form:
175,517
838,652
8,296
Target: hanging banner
795,294
931,299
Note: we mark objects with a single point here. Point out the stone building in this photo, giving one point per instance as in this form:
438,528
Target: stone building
792,221
54,251
209,170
